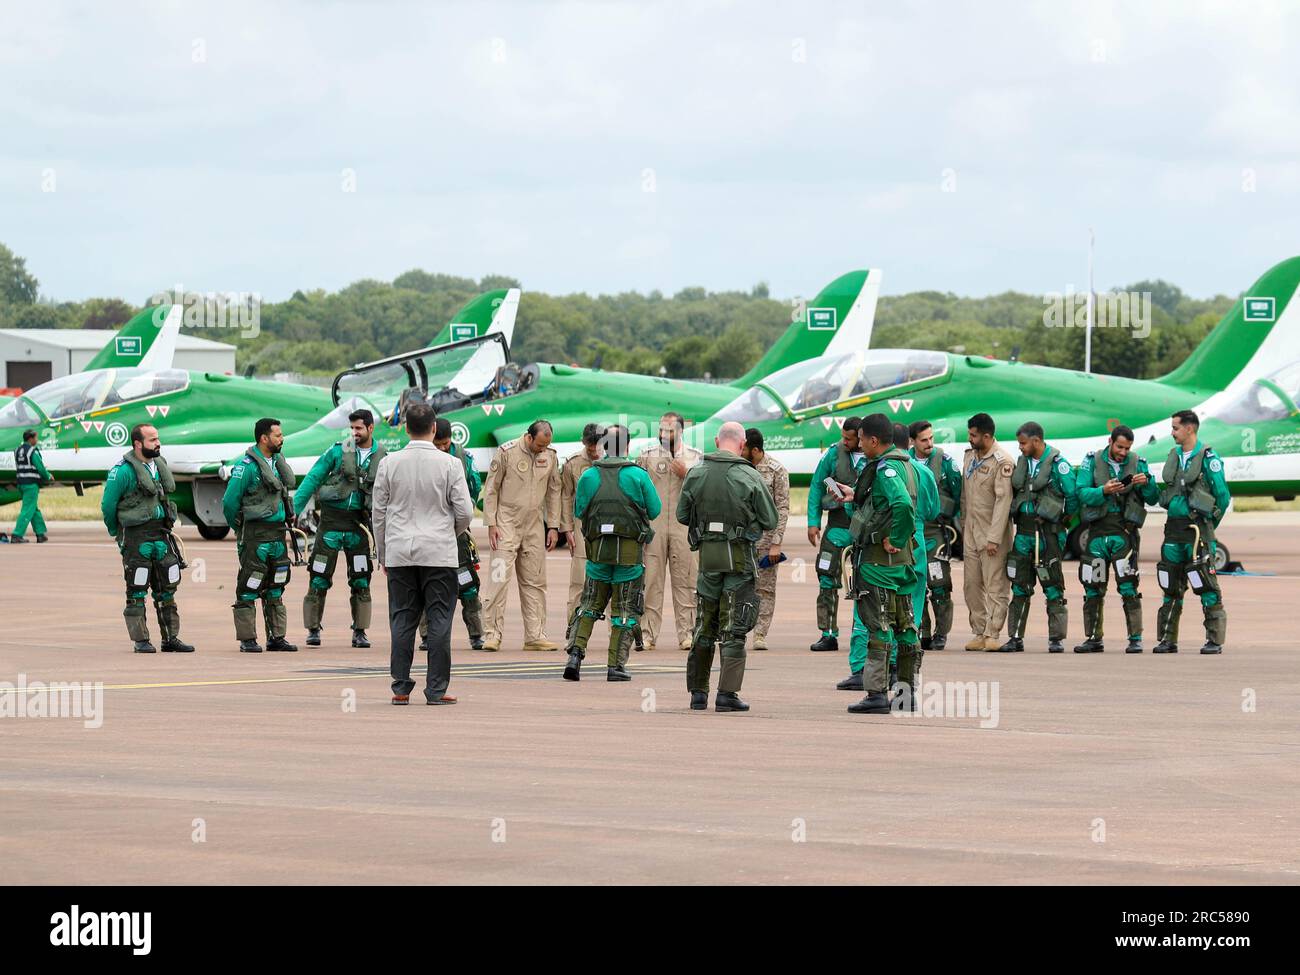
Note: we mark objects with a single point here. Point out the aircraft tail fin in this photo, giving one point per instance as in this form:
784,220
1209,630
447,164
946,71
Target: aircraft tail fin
839,319
147,341
1259,333
492,311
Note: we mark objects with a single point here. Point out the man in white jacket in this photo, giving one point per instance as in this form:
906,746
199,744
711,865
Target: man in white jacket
421,504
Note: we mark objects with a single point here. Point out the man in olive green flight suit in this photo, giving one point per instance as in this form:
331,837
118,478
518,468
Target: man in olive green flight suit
726,508
1195,493
1115,487
258,506
467,562
841,465
614,501
926,504
1044,497
884,556
342,480
139,514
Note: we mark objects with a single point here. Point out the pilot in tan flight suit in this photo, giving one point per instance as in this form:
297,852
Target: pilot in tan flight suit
669,551
521,498
986,532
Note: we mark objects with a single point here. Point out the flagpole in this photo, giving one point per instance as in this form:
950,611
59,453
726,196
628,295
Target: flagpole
1087,336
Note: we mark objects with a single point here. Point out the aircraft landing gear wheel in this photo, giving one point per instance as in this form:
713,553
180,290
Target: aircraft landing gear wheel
1221,557
213,533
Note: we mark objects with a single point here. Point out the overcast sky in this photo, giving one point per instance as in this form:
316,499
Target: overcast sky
613,146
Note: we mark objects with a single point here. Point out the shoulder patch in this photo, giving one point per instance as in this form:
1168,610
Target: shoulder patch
1006,470
1216,465
890,472
1062,468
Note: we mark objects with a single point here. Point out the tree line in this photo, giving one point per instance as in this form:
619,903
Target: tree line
692,334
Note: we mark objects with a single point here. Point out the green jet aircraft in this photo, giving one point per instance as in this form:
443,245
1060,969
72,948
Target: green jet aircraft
84,420
800,408
491,400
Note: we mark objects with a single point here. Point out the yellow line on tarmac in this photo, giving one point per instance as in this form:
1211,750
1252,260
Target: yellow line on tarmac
289,680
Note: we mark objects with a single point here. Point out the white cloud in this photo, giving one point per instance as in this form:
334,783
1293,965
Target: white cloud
788,142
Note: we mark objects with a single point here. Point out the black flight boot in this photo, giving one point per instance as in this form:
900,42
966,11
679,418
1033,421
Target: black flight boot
699,700
729,701
144,646
851,683
173,644
281,644
824,644
249,646
877,702
359,640
616,674
313,637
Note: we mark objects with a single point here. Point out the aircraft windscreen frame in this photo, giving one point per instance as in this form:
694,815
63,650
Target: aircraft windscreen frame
409,374
95,390
829,380
1272,397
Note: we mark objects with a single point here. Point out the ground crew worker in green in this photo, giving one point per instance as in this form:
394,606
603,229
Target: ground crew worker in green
467,581
342,480
1044,497
615,501
726,508
29,474
1115,487
927,508
257,505
1195,494
940,532
885,547
139,514
841,465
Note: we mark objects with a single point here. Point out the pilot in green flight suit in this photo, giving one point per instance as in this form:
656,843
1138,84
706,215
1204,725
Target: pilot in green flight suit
841,463
343,481
726,508
927,509
138,513
939,533
1196,496
615,501
256,505
1115,488
471,607
1044,498
885,528
29,475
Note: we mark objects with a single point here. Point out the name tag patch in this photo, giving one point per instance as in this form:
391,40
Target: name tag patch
717,526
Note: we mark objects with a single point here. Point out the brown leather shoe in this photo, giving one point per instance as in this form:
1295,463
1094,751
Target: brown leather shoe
445,699
401,698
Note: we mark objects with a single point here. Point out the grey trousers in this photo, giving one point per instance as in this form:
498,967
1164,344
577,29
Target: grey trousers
414,590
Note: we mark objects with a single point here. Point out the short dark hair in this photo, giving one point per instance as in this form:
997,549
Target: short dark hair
615,439
918,427
876,425
981,423
1187,417
419,419
592,433
676,417
441,428
901,436
365,416
137,433
754,438
1121,431
852,423
1031,430
29,435
535,427
263,427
